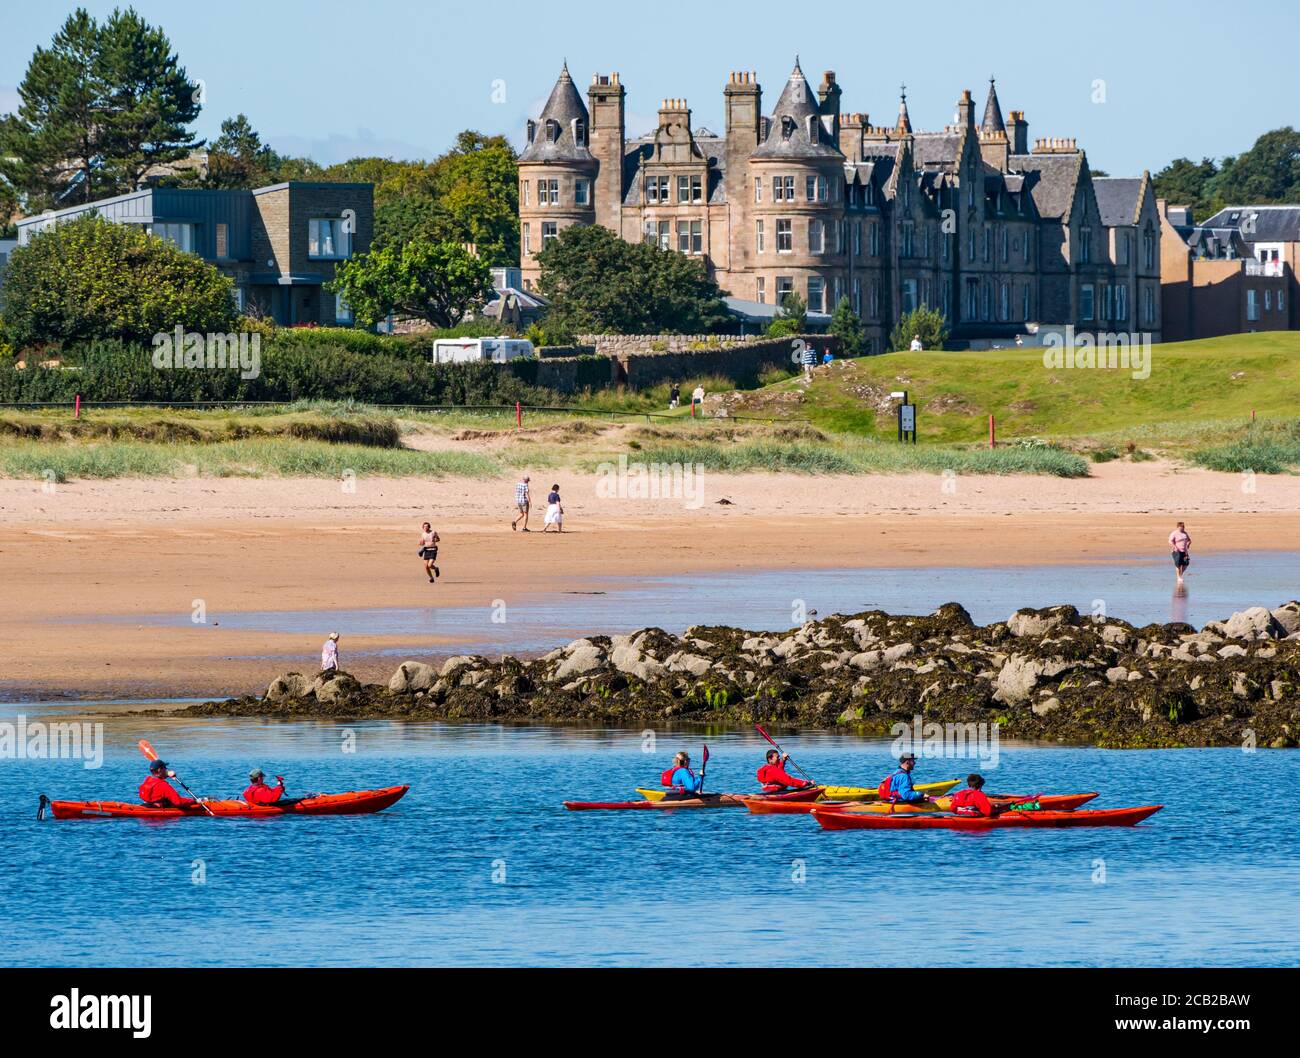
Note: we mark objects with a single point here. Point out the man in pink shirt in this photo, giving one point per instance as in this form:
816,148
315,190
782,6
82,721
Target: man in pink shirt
1182,545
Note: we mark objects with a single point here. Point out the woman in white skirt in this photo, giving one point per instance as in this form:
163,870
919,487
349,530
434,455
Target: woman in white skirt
554,511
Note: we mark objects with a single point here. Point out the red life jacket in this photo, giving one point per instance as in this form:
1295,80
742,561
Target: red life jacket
666,779
885,790
775,779
966,802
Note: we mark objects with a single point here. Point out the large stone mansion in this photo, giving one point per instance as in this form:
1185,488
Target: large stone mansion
972,219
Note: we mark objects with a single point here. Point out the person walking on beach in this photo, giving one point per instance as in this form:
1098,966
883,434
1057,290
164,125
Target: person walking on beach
554,511
429,552
523,499
1182,549
329,655
258,792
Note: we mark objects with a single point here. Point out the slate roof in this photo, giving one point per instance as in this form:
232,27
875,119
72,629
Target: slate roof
1272,223
1118,199
788,135
933,149
641,150
1052,179
993,112
563,107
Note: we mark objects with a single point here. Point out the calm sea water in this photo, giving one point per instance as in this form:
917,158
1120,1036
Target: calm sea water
480,865
1140,591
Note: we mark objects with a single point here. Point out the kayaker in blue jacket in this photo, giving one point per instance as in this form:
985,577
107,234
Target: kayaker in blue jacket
681,778
898,786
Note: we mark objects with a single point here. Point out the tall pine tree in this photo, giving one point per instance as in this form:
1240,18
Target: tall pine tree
98,108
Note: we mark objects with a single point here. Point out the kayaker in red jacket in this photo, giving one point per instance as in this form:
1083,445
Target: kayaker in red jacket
258,793
157,791
775,778
972,801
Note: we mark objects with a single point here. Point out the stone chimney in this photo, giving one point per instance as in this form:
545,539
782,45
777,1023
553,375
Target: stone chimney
1018,132
828,97
966,111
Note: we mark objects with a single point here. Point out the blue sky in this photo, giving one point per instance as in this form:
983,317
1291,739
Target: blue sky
1138,83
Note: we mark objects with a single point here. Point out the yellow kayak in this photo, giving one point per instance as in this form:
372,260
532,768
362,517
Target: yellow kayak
868,793
841,793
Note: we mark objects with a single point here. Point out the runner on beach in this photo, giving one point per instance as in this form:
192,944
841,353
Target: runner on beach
554,511
429,552
523,500
1182,549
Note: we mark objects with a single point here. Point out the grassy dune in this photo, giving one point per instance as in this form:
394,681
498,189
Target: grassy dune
1219,380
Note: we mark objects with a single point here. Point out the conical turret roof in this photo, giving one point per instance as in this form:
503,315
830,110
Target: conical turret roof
789,134
554,143
993,112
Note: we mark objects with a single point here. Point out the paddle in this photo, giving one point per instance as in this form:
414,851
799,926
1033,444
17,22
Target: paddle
704,766
786,756
152,754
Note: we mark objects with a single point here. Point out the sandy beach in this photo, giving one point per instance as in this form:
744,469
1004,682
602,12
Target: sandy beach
85,564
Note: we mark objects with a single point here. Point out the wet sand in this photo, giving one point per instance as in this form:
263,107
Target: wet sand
80,563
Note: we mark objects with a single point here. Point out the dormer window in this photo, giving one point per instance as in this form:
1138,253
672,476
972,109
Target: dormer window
532,130
787,127
579,132
552,130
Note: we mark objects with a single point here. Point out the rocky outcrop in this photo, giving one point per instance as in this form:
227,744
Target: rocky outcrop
1042,674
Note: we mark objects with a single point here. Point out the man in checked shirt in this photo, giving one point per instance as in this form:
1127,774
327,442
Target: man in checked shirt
522,502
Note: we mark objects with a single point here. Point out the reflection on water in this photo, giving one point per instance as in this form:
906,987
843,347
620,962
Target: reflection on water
767,600
479,864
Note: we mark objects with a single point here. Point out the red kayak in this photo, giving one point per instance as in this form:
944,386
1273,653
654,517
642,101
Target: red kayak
1045,802
836,819
718,800
355,802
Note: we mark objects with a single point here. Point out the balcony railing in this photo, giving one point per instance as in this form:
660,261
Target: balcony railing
1264,268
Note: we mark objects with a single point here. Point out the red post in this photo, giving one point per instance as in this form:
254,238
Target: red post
519,415
692,407
993,436
1252,414
76,407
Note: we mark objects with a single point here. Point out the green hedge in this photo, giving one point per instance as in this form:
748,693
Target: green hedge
291,369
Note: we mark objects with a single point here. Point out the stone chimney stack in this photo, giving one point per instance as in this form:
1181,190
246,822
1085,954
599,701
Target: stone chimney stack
966,111
1018,132
608,133
828,96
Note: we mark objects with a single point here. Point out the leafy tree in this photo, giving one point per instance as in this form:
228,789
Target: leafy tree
597,282
8,209
1184,182
92,279
438,282
1267,173
846,325
98,108
470,194
930,325
239,159
792,318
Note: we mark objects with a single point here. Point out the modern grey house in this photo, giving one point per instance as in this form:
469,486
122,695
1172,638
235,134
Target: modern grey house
280,244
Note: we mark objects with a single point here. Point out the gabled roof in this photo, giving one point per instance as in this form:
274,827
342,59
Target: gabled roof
1119,198
1052,181
641,150
795,116
1271,223
564,107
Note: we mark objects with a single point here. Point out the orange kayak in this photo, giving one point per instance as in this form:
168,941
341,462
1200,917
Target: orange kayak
1045,802
718,800
836,819
355,802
